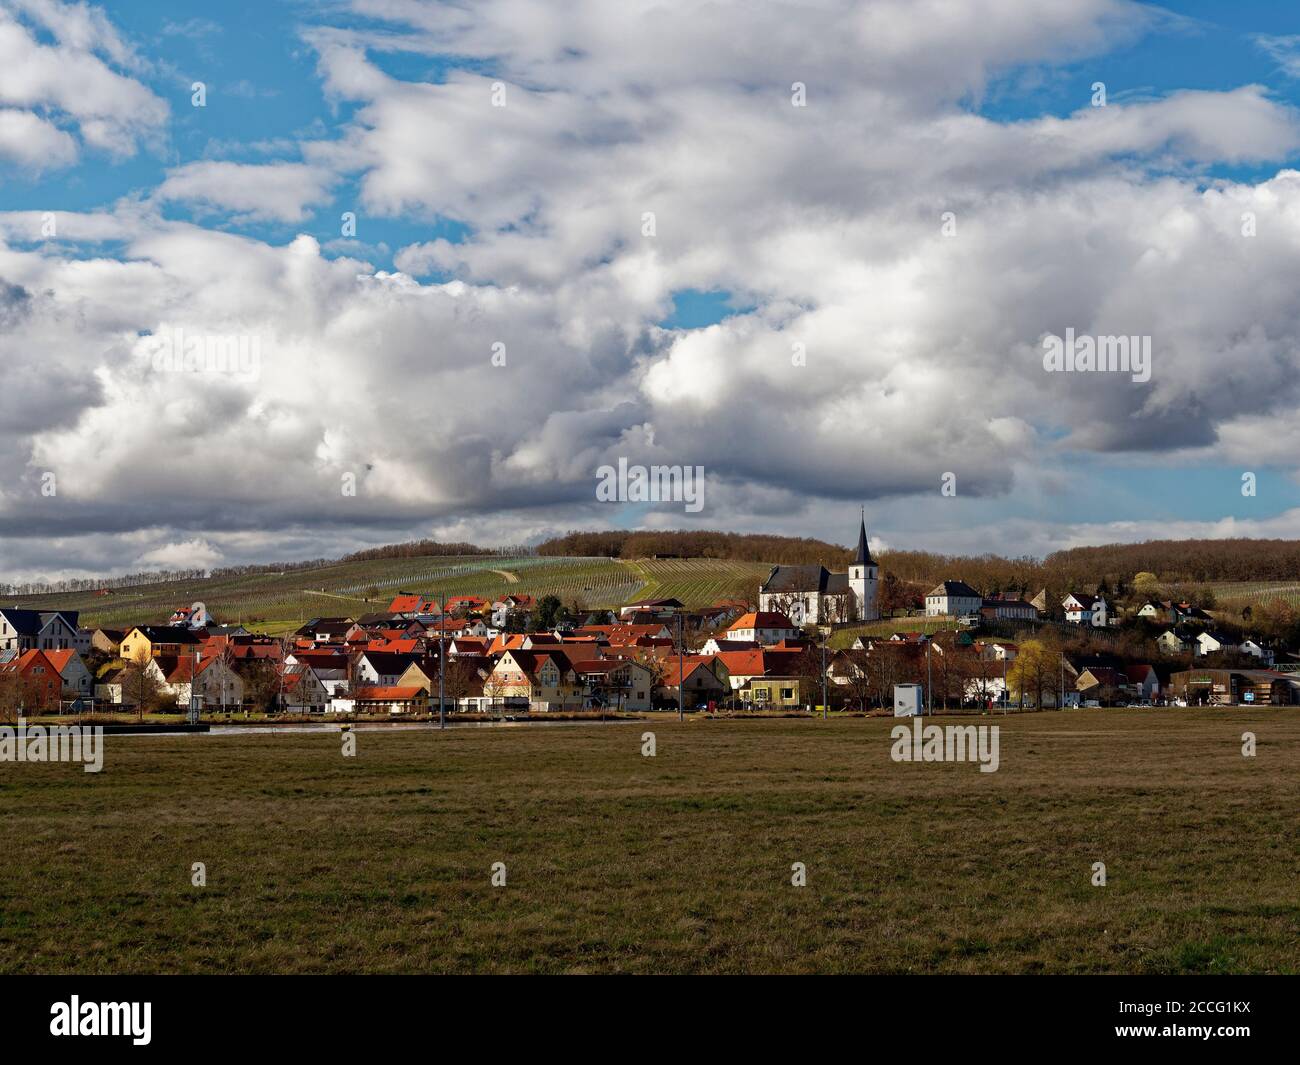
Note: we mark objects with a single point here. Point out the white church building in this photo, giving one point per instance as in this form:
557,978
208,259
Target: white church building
812,595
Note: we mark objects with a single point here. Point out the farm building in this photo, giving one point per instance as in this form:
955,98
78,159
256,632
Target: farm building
1232,687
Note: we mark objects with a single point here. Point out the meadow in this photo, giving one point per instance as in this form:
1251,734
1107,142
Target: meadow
680,863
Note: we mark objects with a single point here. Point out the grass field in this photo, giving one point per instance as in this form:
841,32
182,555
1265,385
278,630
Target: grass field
678,863
278,602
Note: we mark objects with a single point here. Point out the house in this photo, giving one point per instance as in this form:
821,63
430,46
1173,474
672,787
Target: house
190,617
1186,612
661,608
390,699
153,641
1258,650
210,682
738,668
1175,641
812,595
996,606
76,678
1209,643
303,692
466,604
1162,612
955,599
511,606
381,668
107,641
1083,609
108,686
38,630
763,626
1101,683
997,651
327,630
714,646
779,693
615,684
32,682
703,679
545,678
410,605
1143,681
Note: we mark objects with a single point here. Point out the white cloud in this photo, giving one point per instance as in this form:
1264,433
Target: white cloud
74,78
922,351
276,191
34,143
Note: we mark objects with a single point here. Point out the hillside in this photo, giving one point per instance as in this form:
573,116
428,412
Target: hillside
276,601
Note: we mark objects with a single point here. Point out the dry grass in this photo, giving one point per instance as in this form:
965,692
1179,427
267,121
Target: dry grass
680,863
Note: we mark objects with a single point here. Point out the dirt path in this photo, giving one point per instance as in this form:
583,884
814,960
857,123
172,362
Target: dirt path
511,578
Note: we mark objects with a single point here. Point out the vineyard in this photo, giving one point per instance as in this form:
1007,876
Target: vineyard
277,602
699,581
1233,595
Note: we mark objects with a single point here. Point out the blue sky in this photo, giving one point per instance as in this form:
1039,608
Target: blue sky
522,227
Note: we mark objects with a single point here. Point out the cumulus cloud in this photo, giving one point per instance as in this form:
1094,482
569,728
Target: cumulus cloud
903,252
82,78
277,191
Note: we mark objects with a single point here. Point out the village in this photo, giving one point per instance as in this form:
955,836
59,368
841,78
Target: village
795,647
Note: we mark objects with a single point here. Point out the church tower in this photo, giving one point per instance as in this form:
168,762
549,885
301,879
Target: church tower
864,576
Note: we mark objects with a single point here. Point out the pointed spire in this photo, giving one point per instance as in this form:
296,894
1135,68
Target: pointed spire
864,552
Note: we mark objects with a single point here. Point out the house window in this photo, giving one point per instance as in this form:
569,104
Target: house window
787,693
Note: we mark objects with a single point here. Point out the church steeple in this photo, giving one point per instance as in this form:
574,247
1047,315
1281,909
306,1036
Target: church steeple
864,552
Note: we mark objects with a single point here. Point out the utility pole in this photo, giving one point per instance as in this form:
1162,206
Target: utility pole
681,669
1006,695
442,660
825,704
929,680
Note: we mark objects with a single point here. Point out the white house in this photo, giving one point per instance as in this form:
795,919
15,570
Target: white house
1208,643
1015,609
210,682
1252,647
764,627
1083,609
77,680
38,630
1173,642
953,599
381,669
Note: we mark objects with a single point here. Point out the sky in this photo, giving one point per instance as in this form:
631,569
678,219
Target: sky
445,261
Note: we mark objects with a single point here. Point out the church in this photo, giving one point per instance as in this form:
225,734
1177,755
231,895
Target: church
812,595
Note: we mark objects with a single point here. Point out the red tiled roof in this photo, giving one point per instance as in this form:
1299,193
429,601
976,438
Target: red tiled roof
762,619
392,693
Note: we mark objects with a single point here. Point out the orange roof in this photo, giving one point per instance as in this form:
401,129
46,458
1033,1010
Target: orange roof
393,646
393,693
26,661
743,663
60,659
763,619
